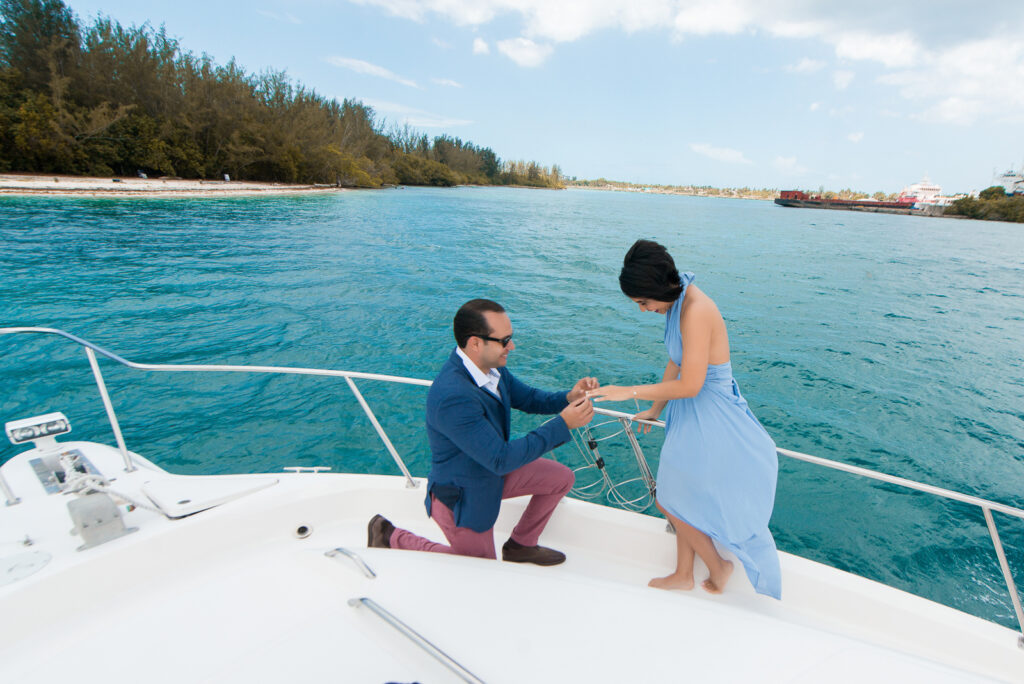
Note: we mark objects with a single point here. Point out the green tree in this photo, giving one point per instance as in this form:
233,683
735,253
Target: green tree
105,99
38,38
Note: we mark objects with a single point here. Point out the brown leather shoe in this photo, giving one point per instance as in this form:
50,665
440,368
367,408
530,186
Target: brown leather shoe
514,552
378,532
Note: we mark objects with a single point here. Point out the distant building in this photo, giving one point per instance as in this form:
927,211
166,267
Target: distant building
924,192
1012,182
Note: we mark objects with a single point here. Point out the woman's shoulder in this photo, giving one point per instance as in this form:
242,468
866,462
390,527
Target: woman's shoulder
698,305
694,297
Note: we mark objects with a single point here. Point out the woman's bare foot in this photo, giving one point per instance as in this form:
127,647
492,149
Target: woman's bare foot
672,582
716,585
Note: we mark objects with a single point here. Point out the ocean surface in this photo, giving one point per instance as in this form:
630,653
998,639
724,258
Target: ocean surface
890,342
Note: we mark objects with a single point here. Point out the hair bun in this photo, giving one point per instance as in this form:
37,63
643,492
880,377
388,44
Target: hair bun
648,271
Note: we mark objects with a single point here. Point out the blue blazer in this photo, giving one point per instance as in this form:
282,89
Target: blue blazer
468,429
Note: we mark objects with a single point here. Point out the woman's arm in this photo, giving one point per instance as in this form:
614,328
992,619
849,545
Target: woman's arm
695,324
671,373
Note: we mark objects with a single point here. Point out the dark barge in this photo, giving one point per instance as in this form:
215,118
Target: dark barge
796,198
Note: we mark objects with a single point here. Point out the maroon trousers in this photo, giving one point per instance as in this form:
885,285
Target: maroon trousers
548,481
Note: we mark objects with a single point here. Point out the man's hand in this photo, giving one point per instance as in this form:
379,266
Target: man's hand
578,413
579,390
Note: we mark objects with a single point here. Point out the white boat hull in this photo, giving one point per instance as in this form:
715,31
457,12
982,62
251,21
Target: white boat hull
235,593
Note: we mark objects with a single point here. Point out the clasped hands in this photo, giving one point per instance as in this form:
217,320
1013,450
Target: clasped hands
580,410
619,393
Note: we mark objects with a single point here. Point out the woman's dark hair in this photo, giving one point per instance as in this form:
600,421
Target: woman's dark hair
648,272
470,321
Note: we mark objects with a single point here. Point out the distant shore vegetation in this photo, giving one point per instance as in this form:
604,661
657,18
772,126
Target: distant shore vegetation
709,191
105,100
696,190
991,204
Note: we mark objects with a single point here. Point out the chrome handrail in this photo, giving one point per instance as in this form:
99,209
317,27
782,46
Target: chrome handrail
348,375
412,635
986,506
354,557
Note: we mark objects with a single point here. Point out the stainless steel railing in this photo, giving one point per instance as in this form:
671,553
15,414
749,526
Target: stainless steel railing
625,419
355,558
412,635
90,348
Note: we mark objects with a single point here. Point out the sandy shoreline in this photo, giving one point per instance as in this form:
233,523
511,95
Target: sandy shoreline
82,186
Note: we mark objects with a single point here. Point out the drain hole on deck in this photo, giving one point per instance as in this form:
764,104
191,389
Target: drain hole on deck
184,501
303,531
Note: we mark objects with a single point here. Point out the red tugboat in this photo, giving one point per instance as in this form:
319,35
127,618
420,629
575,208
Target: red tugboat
796,198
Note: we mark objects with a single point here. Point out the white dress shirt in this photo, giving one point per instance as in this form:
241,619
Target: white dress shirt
489,381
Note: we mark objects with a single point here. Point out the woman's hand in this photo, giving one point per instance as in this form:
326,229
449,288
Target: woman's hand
649,414
612,393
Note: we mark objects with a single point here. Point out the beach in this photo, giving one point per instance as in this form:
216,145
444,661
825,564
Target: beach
83,186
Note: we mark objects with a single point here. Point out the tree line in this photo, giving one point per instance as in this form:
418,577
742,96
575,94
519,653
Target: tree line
992,204
102,99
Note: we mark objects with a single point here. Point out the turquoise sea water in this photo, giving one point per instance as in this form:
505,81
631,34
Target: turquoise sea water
890,342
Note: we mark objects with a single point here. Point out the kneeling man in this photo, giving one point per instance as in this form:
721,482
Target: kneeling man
474,463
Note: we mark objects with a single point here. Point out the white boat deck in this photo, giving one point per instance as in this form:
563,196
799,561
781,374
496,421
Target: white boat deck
232,594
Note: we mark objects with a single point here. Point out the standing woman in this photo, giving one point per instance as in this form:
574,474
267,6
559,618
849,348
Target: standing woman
718,467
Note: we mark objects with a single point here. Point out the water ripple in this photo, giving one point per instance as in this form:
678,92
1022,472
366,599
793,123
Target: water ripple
890,342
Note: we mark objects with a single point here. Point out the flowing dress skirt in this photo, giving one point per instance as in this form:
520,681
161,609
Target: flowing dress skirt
718,471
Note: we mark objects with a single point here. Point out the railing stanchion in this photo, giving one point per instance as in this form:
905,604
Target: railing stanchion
1007,575
638,452
8,494
128,465
409,482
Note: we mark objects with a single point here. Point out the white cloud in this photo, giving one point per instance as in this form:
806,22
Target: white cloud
706,17
416,118
938,50
954,110
788,165
446,82
480,47
524,51
855,137
361,67
842,79
806,66
815,106
463,13
892,50
722,154
987,77
444,45
781,26
290,18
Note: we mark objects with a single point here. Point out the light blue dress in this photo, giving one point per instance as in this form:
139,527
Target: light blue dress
719,466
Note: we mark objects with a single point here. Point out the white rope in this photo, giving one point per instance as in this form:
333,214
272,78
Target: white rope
76,481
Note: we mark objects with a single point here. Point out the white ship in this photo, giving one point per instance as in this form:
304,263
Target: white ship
1012,181
112,569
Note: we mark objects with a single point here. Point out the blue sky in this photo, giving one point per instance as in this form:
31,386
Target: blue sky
870,95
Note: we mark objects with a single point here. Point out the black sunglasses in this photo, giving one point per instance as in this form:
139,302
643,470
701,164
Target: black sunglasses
503,341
